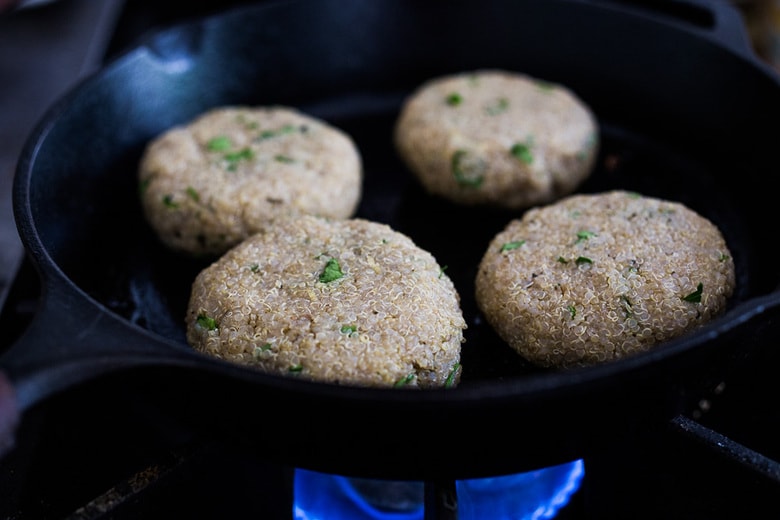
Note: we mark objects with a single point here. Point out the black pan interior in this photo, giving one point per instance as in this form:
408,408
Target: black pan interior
680,119
97,234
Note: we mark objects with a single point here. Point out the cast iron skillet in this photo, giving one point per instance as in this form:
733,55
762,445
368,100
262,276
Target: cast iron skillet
682,104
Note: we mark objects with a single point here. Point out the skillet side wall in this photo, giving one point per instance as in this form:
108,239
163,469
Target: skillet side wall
684,113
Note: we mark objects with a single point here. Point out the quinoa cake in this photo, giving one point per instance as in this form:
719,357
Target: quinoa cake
594,278
497,138
225,175
350,302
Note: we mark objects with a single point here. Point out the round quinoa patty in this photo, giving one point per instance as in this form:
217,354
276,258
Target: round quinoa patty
207,185
594,278
497,138
350,302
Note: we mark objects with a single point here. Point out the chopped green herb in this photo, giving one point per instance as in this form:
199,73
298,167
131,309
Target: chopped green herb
512,245
723,257
584,235
500,105
545,85
268,134
562,260
254,268
583,260
258,351
572,310
296,368
450,381
284,159
168,202
233,158
627,306
219,144
442,269
193,194
405,380
144,185
250,125
464,175
523,152
331,272
695,296
454,99
206,322
348,329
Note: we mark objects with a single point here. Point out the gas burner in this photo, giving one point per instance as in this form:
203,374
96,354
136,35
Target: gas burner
530,495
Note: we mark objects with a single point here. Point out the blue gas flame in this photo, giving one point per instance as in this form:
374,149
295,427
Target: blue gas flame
532,495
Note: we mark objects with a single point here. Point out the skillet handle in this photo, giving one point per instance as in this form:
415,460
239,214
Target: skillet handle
718,20
70,340
728,25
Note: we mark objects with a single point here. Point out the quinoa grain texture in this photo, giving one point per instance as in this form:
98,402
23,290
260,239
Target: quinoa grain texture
350,302
595,278
497,138
207,185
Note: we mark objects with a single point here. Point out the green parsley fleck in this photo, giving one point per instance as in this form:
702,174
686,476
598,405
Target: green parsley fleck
254,268
296,368
723,257
522,151
268,134
545,86
331,272
259,351
193,194
695,296
450,381
508,246
454,99
562,260
465,175
442,269
220,143
144,185
206,322
627,308
233,158
584,235
405,380
248,124
284,159
572,310
583,260
168,202
348,329
499,106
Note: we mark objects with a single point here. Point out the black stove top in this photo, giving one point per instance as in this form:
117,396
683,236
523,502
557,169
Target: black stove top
98,451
